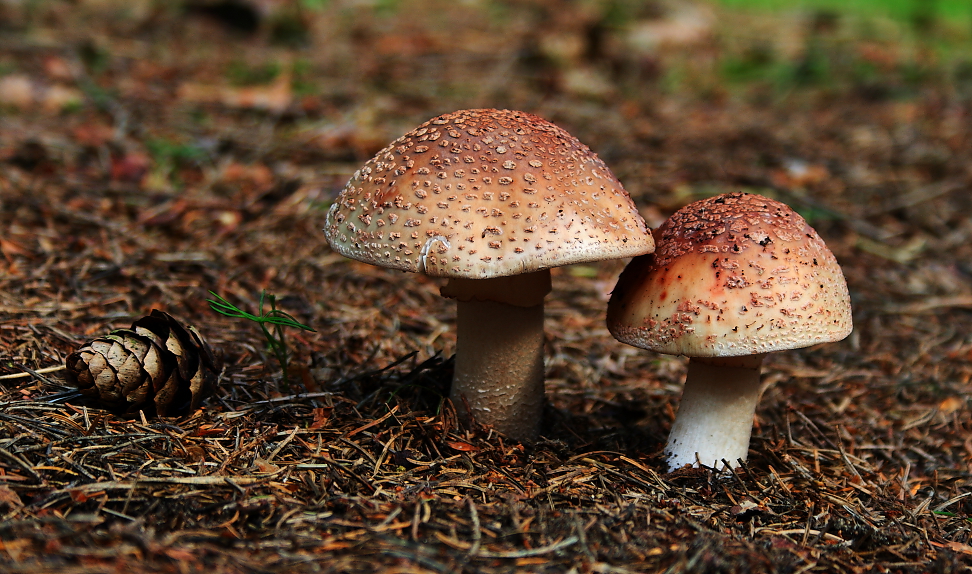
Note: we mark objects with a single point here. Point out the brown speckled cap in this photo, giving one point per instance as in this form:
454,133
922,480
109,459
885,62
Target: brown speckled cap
485,193
736,274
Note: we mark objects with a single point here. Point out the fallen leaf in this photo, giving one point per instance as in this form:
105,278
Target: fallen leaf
130,167
950,405
57,68
321,416
80,496
194,453
274,98
208,430
9,498
16,90
20,91
9,249
14,548
93,134
959,547
261,465
179,554
56,98
461,446
685,26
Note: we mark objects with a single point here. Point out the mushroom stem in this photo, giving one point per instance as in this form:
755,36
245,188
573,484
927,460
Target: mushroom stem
499,366
499,355
715,418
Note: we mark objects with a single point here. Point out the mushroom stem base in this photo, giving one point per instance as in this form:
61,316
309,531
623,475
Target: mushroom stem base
499,366
715,418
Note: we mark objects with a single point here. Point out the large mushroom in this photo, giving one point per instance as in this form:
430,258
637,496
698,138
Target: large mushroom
734,277
490,199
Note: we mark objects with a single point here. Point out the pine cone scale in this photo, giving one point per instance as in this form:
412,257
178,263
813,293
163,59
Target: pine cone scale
75,364
154,367
100,346
175,347
135,345
130,374
104,377
147,333
116,353
166,394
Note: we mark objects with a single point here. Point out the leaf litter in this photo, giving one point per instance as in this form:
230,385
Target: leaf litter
149,195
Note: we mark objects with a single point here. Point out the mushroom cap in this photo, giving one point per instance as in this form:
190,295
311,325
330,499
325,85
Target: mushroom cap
736,274
485,193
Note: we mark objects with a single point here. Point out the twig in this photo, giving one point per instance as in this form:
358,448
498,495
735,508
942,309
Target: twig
951,501
916,197
23,464
929,305
477,534
569,541
283,443
857,224
825,535
187,480
60,397
29,373
846,459
293,397
372,423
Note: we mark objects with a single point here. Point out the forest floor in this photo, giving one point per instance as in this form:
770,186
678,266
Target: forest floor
152,152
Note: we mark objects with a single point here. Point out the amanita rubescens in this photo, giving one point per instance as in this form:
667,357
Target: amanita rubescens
490,199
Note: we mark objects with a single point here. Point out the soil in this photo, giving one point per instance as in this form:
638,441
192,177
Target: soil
152,153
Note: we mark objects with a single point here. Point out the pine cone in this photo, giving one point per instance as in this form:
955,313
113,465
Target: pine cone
158,366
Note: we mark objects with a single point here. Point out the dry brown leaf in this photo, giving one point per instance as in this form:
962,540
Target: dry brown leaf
274,98
261,465
21,91
14,548
321,416
461,446
9,498
950,405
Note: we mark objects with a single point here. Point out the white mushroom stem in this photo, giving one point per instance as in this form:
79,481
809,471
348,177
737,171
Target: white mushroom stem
715,417
499,351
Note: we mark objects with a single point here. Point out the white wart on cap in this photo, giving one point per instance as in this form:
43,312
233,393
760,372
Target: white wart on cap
485,193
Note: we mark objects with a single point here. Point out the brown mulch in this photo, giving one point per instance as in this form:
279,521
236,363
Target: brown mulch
174,172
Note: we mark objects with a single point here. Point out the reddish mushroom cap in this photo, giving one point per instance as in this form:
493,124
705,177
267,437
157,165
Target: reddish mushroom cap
485,193
737,274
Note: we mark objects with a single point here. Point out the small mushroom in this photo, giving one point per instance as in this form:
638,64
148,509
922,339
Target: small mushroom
734,277
491,200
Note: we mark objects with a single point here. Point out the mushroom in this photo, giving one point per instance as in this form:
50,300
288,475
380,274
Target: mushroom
734,277
491,200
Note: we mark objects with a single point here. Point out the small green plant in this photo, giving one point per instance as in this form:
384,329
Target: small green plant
756,63
243,74
949,514
276,341
94,57
170,156
304,83
164,150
